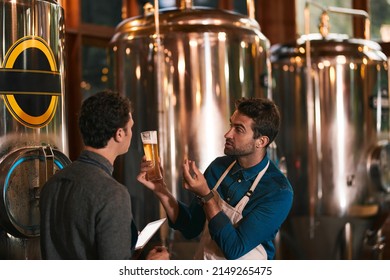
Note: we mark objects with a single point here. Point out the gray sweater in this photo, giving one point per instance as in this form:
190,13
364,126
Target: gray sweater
86,213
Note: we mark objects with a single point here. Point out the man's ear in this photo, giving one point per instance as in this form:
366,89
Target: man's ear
119,135
262,141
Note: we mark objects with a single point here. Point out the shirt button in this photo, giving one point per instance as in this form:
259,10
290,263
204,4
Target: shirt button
228,199
239,180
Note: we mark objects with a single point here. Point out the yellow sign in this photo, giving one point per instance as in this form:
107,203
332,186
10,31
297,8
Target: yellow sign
30,82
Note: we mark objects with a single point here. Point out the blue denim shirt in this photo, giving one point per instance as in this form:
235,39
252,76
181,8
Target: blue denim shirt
265,212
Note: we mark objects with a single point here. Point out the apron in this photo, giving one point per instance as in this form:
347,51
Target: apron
208,249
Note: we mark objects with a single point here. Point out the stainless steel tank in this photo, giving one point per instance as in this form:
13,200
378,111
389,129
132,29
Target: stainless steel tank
333,95
183,69
33,139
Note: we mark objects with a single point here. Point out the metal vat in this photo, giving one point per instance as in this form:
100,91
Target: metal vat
333,95
183,69
33,140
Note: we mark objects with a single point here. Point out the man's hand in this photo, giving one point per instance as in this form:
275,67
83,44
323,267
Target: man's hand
194,181
158,253
156,185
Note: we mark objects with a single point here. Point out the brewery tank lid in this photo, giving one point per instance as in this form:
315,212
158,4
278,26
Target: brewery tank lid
196,19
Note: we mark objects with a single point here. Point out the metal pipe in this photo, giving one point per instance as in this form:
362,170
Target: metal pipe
251,8
310,119
348,241
160,72
355,12
186,4
348,11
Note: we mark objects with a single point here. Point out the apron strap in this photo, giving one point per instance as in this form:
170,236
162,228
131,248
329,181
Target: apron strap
223,176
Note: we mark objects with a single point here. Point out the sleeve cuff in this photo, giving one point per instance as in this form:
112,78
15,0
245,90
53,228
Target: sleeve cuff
217,223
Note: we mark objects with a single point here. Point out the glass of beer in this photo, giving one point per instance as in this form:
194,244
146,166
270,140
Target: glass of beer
150,143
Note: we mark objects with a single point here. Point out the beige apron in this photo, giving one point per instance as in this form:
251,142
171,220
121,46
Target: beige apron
207,248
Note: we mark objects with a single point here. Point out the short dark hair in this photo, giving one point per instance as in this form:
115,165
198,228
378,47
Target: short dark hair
264,113
101,115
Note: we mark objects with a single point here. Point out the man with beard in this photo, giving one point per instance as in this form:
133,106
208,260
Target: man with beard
242,199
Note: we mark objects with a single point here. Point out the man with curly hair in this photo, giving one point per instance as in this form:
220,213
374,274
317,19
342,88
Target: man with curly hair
85,212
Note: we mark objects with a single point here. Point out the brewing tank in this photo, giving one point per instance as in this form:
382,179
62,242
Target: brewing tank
183,69
33,136
333,95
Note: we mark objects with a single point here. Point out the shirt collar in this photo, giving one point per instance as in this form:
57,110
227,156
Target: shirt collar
251,172
102,161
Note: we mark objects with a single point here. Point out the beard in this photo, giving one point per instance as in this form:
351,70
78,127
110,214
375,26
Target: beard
231,150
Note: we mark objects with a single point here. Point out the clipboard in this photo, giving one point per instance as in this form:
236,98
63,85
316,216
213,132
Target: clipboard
147,233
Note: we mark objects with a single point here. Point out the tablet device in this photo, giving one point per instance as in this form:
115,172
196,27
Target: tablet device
147,233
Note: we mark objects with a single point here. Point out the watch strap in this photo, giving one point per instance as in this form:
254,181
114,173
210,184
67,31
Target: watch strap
203,199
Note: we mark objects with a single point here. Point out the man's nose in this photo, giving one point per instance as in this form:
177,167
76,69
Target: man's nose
228,133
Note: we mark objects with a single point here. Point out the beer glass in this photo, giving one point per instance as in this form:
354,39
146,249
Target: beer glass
150,143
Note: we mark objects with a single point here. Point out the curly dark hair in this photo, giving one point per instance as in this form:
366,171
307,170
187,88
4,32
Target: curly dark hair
101,115
264,113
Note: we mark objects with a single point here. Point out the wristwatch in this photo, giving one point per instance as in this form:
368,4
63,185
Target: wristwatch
203,199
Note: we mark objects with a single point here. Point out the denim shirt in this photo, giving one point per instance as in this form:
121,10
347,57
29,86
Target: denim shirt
265,212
